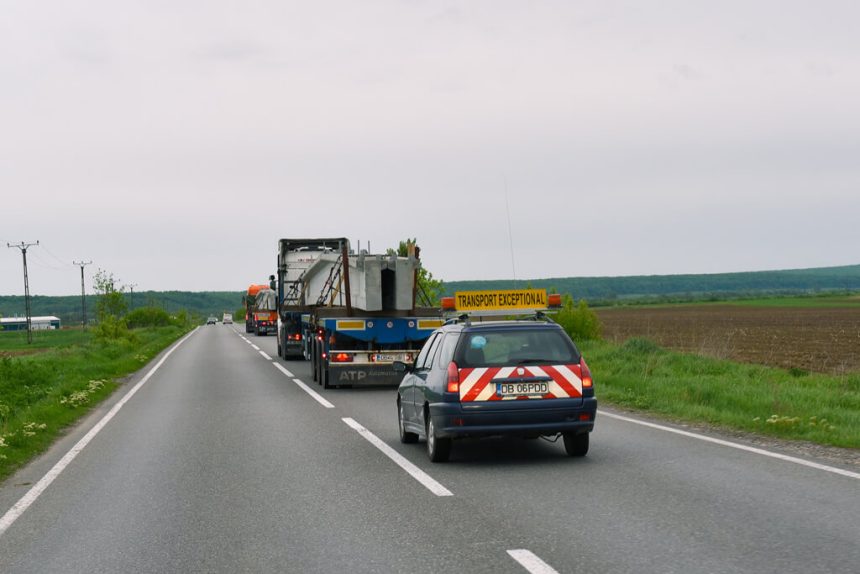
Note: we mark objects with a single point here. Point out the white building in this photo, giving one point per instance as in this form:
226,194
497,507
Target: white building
37,323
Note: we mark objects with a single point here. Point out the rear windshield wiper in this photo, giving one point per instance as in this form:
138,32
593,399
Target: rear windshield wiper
525,361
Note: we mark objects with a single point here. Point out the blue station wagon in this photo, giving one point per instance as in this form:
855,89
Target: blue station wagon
499,378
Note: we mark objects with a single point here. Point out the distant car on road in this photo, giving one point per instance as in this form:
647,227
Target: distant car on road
497,378
228,319
211,320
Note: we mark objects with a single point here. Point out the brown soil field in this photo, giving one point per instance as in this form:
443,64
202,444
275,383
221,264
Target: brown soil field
825,340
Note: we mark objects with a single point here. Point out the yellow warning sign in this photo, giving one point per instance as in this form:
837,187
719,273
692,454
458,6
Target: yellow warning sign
500,300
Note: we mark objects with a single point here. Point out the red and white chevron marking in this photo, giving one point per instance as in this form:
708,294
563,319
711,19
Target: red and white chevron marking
479,384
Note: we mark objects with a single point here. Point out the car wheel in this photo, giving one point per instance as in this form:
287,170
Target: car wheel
406,437
576,444
438,449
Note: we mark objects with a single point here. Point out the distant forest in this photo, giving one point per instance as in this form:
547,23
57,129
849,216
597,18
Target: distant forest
68,308
670,288
596,290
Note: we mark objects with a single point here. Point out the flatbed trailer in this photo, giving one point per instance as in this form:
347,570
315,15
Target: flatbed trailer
352,315
362,349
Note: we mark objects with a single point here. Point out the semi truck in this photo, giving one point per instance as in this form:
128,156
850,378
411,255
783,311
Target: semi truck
352,315
261,316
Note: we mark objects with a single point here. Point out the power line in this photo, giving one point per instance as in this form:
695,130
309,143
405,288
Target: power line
43,263
48,251
23,247
83,264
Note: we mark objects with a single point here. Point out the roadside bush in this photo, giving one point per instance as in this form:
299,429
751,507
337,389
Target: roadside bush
111,328
110,309
182,319
580,322
239,315
148,317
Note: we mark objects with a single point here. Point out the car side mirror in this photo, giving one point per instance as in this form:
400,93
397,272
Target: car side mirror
401,367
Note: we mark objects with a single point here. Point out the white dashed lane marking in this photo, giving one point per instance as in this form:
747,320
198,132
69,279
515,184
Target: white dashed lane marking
425,479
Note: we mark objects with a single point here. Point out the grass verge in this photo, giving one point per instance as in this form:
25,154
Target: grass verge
790,404
46,391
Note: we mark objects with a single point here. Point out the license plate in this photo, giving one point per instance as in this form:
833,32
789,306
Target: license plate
383,358
539,388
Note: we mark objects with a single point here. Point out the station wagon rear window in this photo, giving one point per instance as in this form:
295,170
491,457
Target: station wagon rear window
516,347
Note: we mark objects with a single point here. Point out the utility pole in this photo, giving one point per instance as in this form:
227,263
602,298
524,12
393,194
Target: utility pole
131,287
23,247
83,264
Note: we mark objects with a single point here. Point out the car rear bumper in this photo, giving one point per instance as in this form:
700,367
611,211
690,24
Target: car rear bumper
452,420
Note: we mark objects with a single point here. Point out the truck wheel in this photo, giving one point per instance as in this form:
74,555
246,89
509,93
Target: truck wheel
438,449
576,444
324,376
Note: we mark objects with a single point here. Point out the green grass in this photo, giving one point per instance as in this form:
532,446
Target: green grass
43,393
837,301
840,300
787,404
16,341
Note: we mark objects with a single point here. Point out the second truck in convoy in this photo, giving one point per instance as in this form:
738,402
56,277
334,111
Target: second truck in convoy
352,315
261,316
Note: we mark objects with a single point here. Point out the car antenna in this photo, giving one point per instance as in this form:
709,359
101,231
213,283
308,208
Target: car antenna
510,234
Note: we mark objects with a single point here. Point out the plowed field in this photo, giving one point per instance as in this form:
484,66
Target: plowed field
823,340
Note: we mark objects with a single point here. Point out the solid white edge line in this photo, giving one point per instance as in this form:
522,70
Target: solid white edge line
265,356
315,395
531,562
425,479
30,497
735,445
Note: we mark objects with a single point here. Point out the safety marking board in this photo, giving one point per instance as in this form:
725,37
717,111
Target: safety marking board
514,299
480,383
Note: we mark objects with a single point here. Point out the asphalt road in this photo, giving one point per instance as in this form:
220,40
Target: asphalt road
221,462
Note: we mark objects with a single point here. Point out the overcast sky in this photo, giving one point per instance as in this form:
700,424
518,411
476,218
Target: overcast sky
172,143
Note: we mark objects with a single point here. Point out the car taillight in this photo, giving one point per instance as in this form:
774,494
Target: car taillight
453,377
296,337
587,383
341,358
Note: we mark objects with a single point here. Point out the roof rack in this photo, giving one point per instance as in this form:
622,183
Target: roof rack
465,306
520,315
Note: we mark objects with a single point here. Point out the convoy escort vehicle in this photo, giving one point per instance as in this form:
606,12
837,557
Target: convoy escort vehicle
496,378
